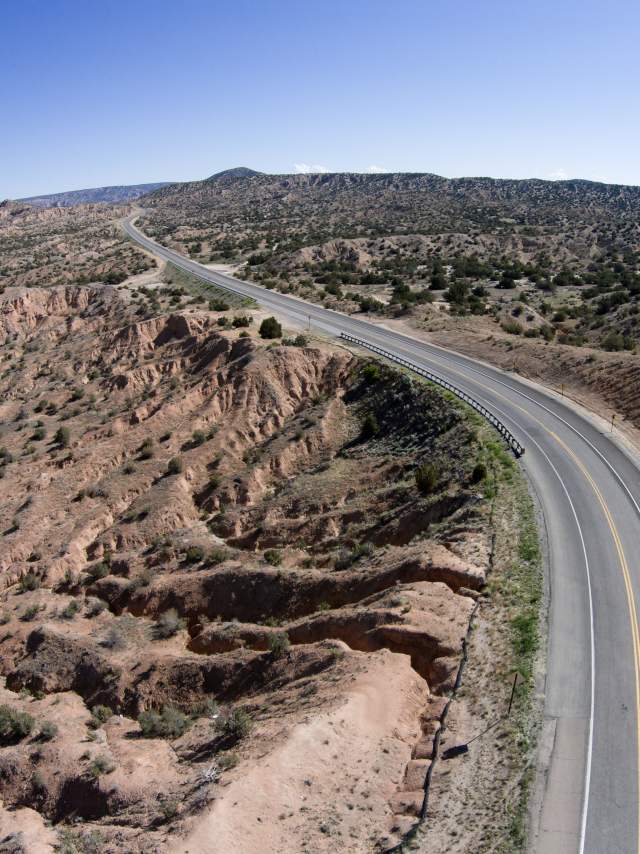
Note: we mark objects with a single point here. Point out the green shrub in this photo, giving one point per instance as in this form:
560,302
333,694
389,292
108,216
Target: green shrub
94,607
369,428
101,765
273,557
14,725
512,327
99,716
168,624
29,581
30,613
479,473
270,328
426,478
194,554
97,571
278,644
198,438
71,610
146,449
168,723
227,761
48,731
236,725
62,437
217,556
371,373
174,465
240,321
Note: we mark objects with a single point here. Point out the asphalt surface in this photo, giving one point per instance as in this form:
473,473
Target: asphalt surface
589,489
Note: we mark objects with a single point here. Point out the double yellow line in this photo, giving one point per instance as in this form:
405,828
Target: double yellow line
633,617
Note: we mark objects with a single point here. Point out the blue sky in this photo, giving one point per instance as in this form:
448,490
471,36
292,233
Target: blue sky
96,93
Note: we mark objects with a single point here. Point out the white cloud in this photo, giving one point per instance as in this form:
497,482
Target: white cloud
309,169
377,170
558,175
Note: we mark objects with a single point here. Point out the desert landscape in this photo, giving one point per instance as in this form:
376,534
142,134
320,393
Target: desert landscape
256,583
231,565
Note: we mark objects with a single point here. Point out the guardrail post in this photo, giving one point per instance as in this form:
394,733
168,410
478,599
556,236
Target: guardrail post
513,443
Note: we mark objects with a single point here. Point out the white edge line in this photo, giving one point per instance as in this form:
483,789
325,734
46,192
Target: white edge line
587,783
587,776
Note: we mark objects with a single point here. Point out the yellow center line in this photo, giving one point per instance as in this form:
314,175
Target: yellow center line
633,617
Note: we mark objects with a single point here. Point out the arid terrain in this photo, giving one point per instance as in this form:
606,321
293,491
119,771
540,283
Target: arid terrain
253,587
237,578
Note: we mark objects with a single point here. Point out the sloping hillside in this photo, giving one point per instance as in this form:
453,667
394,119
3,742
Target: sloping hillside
104,195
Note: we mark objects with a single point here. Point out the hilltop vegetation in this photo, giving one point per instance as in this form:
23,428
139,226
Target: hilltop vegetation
566,253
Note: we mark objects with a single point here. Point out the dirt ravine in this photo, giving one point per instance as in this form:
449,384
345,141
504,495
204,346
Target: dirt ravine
231,615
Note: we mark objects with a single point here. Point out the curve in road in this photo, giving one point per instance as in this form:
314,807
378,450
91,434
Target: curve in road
589,490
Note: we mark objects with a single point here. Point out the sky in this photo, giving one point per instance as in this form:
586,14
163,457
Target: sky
113,92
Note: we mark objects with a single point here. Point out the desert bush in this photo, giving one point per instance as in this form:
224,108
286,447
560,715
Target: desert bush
62,437
198,438
194,554
99,716
14,725
227,761
169,809
479,473
426,477
30,613
97,571
217,556
278,644
218,305
114,639
174,465
270,328
240,321
168,624
146,449
94,607
369,428
29,581
48,731
236,725
207,708
346,558
512,327
101,765
371,373
71,610
168,723
273,557
97,492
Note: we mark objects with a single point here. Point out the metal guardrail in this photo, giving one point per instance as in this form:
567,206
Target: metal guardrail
515,446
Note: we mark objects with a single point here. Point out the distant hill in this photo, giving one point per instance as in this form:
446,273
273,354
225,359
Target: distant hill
345,204
238,172
105,195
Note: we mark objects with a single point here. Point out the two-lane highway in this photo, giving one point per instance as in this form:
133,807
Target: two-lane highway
590,494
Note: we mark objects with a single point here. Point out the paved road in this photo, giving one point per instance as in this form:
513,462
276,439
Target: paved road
590,493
